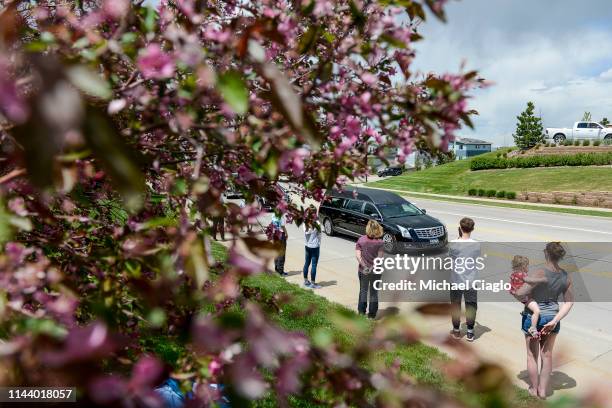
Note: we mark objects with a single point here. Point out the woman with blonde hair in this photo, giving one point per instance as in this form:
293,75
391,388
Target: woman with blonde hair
368,248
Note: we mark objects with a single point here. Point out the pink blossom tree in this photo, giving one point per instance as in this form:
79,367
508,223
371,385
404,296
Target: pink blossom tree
122,126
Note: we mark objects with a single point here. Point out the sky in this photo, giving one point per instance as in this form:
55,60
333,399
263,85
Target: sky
557,54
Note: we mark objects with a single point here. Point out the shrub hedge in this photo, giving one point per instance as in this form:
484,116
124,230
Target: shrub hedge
552,160
500,194
472,191
481,192
491,193
510,195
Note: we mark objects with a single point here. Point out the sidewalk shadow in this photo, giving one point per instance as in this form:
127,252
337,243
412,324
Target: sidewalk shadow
558,381
293,273
479,329
388,311
327,283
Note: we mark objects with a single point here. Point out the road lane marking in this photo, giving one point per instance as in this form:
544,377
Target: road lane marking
528,223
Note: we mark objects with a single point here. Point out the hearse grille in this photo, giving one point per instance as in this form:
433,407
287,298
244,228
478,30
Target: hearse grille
429,233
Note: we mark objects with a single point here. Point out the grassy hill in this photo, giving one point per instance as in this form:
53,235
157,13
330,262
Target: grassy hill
456,178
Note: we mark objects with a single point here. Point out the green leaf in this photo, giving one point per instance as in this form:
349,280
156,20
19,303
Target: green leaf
309,39
358,17
392,41
118,160
150,19
89,82
233,89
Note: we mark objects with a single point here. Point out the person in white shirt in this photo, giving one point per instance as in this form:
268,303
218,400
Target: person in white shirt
312,238
464,247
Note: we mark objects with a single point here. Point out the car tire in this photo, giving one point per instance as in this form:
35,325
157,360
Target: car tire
559,138
390,243
328,227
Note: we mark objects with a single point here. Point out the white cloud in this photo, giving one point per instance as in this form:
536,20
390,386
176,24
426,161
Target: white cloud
606,75
559,57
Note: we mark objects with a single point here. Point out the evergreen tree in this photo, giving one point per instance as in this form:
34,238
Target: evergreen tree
529,130
604,122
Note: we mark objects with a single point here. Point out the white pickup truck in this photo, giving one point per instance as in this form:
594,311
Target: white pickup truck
580,131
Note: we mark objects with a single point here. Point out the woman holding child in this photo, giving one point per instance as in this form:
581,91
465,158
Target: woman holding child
540,293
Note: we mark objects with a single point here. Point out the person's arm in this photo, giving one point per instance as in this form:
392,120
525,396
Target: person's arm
534,280
568,303
359,257
528,286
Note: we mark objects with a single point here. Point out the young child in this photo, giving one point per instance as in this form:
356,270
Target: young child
520,267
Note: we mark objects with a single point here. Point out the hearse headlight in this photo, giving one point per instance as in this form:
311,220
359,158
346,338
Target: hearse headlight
404,231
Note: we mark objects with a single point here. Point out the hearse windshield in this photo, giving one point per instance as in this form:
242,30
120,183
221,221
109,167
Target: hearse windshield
400,209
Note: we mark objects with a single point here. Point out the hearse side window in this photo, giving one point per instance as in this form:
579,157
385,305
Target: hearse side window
370,210
354,205
336,202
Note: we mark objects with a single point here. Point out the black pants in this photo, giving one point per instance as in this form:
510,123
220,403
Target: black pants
279,261
471,305
218,226
366,284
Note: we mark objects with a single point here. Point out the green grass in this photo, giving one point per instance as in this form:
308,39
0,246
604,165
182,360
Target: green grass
319,318
456,178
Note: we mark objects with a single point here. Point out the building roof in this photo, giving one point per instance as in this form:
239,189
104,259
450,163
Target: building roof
469,140
367,194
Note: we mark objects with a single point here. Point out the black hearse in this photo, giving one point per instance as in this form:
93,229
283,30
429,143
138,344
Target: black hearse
406,226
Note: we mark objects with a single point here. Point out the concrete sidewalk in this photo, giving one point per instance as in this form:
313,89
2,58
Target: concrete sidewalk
582,359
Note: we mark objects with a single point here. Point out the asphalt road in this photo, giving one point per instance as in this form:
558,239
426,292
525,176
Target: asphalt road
584,351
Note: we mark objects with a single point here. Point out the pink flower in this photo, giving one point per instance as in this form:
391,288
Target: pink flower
220,36
12,104
368,78
116,9
293,160
155,63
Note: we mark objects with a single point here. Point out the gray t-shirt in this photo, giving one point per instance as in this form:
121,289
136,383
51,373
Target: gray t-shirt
547,293
460,250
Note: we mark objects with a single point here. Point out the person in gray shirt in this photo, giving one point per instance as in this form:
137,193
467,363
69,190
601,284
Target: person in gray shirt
556,284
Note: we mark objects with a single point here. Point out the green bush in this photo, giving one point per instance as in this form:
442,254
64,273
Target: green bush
500,194
481,192
510,195
491,193
596,142
472,191
576,142
552,160
586,142
567,142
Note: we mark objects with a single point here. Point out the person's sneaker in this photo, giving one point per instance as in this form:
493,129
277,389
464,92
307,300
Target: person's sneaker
456,333
470,336
283,274
315,286
307,284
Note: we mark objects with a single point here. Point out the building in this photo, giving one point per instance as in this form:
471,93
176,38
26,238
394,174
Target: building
465,147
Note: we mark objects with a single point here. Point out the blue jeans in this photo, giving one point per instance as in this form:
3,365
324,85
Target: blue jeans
312,255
